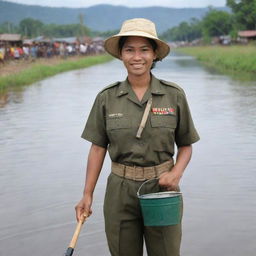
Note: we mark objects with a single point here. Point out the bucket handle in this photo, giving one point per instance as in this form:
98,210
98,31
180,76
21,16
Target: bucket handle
138,192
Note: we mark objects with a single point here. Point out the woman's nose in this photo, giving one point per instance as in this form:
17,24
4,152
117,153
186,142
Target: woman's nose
137,55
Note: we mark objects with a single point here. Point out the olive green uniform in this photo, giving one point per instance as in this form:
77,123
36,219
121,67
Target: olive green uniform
113,124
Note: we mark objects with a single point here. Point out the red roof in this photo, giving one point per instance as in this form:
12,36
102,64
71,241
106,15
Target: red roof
247,33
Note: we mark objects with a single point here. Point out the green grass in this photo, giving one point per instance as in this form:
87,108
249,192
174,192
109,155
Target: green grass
40,71
237,60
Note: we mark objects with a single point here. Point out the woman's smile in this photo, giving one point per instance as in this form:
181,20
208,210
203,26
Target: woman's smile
137,65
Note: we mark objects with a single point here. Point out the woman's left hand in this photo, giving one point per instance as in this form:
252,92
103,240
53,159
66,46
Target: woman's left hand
170,180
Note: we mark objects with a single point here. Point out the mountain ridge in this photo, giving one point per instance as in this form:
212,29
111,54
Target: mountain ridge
102,17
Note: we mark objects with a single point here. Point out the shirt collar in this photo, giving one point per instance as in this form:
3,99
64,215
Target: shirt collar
123,88
156,87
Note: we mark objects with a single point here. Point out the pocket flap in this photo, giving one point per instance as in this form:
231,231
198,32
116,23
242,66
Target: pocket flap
118,123
163,121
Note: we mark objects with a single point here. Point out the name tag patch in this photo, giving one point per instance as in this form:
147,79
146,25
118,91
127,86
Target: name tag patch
163,111
115,115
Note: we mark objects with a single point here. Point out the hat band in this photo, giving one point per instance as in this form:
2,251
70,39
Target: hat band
137,30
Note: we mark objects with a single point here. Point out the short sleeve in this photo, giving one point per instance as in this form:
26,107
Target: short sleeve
95,128
185,133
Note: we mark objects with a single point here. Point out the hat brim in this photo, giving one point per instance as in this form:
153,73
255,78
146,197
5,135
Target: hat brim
111,44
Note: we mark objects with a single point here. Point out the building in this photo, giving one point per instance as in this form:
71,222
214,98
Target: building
247,35
10,39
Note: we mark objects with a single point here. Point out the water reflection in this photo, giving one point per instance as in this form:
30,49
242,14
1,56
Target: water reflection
42,161
8,97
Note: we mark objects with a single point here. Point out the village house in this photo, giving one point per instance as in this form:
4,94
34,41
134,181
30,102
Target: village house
10,45
246,36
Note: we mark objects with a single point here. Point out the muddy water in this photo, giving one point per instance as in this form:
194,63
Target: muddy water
42,161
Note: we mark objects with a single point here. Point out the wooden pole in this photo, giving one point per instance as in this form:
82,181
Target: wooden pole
74,239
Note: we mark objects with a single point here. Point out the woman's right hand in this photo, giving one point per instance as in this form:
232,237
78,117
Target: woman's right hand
84,207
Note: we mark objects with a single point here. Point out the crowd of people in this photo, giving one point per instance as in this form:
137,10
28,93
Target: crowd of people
47,50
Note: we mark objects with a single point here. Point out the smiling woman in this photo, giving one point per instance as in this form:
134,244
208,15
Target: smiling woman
138,121
138,56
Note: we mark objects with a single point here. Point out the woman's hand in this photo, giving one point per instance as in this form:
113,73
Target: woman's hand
170,180
84,207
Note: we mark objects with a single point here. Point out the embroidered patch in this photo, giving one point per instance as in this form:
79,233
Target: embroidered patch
115,115
163,111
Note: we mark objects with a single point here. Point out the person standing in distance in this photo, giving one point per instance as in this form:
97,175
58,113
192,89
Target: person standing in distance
138,121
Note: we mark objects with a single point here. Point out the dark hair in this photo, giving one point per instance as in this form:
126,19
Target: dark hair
152,42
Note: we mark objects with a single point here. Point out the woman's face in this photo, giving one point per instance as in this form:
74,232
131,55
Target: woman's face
137,55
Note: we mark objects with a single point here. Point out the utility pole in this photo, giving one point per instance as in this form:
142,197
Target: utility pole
81,22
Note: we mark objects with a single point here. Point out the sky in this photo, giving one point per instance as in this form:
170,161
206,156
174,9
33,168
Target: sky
129,3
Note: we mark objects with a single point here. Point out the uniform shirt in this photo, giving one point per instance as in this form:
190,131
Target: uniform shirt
116,115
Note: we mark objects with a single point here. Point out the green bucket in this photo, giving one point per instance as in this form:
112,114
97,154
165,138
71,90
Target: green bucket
161,208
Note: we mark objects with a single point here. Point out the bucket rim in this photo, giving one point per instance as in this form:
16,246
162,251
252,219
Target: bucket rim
157,195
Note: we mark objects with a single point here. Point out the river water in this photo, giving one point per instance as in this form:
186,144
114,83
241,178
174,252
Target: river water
42,162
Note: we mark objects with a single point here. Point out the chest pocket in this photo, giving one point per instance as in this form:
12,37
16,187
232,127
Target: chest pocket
165,121
118,123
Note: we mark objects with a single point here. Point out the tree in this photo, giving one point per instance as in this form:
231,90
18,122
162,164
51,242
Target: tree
104,34
184,29
31,27
184,32
216,23
244,12
69,30
196,28
8,27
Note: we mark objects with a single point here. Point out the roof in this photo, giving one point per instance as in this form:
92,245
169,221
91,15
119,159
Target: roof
27,41
247,33
70,40
10,37
97,39
41,39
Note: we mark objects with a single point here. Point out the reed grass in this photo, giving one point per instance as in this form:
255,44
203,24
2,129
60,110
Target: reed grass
227,59
40,71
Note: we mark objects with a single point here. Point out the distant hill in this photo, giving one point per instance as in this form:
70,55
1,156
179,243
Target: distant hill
99,17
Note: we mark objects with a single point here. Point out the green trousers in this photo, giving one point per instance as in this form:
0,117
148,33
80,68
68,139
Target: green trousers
124,222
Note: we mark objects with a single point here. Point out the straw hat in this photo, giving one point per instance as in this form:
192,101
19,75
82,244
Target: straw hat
137,27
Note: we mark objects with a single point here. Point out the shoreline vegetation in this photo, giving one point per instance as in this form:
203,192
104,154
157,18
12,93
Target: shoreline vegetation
25,73
237,61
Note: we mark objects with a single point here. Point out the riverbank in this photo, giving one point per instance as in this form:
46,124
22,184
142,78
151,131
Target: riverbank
22,72
237,61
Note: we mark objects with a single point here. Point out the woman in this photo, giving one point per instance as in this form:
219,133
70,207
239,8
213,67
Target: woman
138,121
